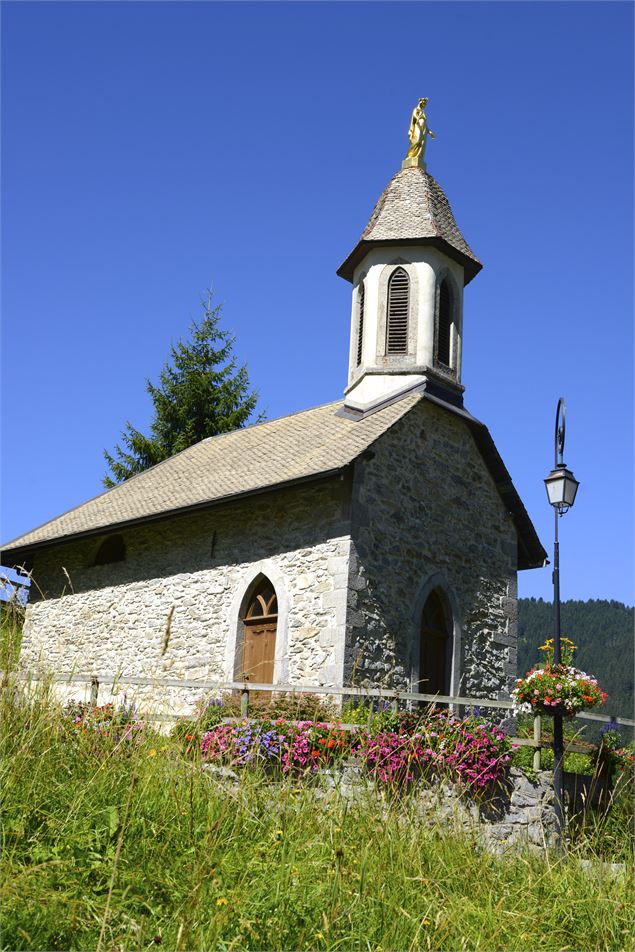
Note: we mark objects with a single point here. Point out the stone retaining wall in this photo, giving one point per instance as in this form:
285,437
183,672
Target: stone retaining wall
521,814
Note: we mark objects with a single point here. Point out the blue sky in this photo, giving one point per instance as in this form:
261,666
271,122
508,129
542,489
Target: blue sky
152,149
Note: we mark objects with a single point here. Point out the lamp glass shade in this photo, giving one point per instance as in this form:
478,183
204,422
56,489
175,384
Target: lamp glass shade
561,486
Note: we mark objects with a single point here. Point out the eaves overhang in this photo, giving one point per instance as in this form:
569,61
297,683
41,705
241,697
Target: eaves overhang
12,556
470,266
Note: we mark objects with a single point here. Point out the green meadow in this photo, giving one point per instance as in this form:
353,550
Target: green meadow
114,844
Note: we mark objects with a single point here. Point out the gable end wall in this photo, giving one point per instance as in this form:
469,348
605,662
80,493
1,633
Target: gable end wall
425,511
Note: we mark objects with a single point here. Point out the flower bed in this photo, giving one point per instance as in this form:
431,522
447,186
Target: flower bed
281,746
103,725
556,688
468,752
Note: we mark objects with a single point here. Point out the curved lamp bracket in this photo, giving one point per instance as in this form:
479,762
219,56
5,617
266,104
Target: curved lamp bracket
560,433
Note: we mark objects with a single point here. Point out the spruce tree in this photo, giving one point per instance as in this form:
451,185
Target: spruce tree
201,392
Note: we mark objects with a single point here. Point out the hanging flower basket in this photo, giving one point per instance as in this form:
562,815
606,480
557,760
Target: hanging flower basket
557,688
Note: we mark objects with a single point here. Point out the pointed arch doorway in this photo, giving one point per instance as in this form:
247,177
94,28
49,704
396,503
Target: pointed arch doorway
259,627
435,645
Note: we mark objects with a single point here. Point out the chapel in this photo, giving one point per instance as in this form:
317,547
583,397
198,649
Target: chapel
375,540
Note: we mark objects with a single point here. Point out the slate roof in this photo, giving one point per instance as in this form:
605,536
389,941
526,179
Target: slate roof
307,445
252,459
413,209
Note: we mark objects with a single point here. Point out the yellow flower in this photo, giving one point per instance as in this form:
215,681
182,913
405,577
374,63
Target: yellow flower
221,901
337,829
279,834
425,921
152,752
318,935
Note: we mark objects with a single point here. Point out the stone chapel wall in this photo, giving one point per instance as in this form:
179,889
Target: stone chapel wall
113,618
425,511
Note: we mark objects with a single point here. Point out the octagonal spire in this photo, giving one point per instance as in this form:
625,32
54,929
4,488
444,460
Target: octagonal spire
413,210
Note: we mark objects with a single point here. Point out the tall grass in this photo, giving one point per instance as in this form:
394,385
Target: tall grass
114,845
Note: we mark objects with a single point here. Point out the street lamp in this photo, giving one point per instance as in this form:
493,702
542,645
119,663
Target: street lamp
561,486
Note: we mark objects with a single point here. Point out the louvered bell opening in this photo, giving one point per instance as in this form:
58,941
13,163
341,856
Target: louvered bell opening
397,335
360,323
444,337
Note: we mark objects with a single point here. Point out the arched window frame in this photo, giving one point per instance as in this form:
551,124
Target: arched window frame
110,550
380,356
398,304
453,333
437,581
240,602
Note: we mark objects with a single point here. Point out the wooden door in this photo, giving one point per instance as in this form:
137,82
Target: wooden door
433,655
259,649
260,623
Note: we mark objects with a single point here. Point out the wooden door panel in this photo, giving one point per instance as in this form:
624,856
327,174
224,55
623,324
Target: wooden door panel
432,663
259,649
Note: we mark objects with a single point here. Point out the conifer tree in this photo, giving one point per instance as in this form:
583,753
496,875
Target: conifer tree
201,392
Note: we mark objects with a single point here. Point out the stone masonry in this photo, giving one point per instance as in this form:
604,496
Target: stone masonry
425,511
113,618
352,558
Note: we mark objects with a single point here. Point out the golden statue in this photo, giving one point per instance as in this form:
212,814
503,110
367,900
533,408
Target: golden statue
417,134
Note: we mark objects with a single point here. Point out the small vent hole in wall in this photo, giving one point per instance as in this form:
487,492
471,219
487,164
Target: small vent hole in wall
398,304
112,549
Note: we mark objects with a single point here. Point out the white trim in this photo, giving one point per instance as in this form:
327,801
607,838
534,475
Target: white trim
382,357
277,578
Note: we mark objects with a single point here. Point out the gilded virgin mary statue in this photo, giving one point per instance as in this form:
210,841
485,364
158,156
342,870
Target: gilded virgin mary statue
417,133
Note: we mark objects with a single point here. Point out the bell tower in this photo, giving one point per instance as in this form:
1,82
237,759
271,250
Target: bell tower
408,271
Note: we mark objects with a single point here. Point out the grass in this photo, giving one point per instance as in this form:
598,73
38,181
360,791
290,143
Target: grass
118,846
110,846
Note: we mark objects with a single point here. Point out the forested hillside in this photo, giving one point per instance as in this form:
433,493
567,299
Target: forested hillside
603,632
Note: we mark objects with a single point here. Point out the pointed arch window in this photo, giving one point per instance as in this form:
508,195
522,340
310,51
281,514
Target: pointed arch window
259,623
443,354
360,322
398,307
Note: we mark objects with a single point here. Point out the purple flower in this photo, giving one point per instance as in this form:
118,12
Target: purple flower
611,726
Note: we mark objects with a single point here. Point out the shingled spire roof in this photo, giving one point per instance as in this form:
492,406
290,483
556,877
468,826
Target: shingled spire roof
413,210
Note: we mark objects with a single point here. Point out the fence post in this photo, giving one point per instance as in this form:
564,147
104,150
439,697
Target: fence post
537,738
244,702
94,691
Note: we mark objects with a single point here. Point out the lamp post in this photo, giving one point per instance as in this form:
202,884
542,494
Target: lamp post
561,486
